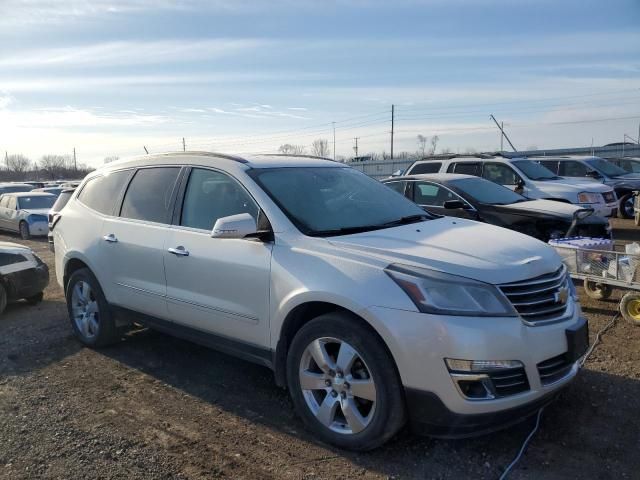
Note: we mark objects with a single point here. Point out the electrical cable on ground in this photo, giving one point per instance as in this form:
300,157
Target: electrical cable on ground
535,428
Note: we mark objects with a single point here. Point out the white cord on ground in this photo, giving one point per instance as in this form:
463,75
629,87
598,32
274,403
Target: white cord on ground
535,428
524,446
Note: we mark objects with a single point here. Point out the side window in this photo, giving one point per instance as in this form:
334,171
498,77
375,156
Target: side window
550,164
500,174
427,167
573,169
101,193
11,202
430,194
466,168
150,195
211,195
397,186
4,201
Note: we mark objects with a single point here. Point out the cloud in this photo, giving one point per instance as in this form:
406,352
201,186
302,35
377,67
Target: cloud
297,109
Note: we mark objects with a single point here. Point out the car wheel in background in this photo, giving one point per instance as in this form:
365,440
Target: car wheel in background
597,291
24,231
626,206
89,311
344,383
630,307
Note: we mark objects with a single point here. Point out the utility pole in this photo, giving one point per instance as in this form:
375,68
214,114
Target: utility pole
184,145
503,133
145,150
75,163
6,158
356,147
393,108
501,137
334,141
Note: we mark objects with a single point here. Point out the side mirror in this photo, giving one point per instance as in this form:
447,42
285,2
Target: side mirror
235,226
453,204
593,174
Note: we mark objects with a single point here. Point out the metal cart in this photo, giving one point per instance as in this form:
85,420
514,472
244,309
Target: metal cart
603,270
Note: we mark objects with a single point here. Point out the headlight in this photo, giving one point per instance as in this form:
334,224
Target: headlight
441,293
582,214
589,197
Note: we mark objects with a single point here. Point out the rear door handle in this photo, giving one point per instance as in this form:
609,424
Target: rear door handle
180,251
110,238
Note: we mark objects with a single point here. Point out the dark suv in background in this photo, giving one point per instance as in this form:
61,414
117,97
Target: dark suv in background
595,168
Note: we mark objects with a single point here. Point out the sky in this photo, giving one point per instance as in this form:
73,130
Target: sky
110,77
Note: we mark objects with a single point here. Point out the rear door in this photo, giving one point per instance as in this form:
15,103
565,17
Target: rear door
133,241
501,174
11,214
4,211
432,197
466,168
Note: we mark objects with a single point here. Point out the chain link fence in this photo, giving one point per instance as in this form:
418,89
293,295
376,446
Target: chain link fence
382,168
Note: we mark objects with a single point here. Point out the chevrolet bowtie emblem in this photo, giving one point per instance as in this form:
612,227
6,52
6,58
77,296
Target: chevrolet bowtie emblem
561,296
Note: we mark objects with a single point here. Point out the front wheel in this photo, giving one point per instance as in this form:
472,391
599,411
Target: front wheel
89,311
25,233
597,291
625,209
344,384
630,307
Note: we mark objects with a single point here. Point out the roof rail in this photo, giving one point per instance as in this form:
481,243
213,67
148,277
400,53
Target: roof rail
447,156
297,156
226,156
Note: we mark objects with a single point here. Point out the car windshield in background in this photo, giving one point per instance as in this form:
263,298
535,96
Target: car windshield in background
487,192
535,171
607,168
36,202
325,201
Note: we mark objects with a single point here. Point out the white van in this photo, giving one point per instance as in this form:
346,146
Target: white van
371,311
527,178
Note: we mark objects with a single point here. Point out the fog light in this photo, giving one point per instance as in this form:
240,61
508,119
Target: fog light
476,366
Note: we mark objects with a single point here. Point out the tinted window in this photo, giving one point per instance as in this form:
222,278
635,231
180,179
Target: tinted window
550,164
62,200
11,258
606,167
485,191
212,195
467,168
150,194
573,169
101,193
397,186
16,188
36,202
425,193
499,173
534,170
427,167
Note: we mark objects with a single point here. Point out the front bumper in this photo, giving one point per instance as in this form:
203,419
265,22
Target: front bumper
603,210
27,283
38,229
420,342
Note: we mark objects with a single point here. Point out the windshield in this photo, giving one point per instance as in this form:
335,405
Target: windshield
607,168
324,201
534,170
487,192
36,202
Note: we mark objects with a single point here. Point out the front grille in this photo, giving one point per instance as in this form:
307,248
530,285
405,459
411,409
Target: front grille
541,300
554,369
509,382
609,197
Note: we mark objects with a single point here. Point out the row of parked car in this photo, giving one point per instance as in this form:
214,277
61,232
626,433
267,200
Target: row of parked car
372,311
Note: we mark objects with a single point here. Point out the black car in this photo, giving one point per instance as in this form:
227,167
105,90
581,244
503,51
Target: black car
475,198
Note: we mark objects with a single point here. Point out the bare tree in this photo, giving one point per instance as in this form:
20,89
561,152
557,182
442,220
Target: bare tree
422,144
320,147
111,159
54,165
18,163
434,144
289,149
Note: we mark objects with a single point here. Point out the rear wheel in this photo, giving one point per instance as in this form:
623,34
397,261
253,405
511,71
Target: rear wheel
89,311
24,231
597,291
344,383
630,307
625,209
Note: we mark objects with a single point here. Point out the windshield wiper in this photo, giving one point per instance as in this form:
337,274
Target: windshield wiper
407,220
368,228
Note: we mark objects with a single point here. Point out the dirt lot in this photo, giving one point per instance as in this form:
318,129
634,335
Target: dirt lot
156,407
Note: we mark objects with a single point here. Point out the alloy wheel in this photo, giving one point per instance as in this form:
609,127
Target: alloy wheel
337,385
84,308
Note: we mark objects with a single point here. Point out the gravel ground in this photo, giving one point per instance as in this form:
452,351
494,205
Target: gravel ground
156,407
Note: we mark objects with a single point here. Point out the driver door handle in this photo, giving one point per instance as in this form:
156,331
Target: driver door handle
110,238
180,251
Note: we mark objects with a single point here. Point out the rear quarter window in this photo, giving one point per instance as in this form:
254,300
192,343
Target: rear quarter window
150,195
101,193
426,167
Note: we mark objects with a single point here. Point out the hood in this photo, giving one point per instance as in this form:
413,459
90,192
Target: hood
579,185
6,246
460,247
36,211
560,209
630,181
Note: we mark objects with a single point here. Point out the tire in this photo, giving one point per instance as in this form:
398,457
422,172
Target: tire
625,207
630,307
89,312
597,291
378,400
3,298
35,299
25,234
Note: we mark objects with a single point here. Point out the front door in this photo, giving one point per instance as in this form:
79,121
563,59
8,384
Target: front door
432,197
216,285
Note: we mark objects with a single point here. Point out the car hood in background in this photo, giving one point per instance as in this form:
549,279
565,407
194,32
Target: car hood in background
36,211
459,247
579,185
551,207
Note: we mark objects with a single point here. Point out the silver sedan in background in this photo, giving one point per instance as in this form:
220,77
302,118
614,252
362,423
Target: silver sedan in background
26,213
